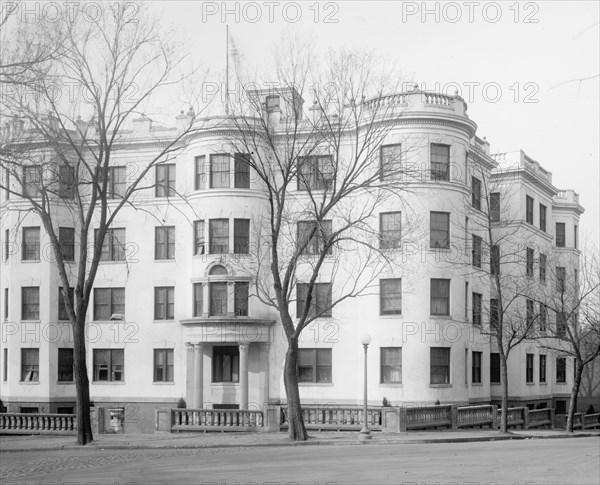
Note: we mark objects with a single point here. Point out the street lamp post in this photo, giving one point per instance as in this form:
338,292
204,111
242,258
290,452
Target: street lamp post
365,432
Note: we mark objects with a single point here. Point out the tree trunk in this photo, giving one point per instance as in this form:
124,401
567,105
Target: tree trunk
296,429
574,393
82,384
504,386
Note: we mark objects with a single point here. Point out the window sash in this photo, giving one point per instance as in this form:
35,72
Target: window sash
116,183
390,157
66,240
66,181
218,239
495,259
241,298
560,235
30,365
113,246
32,180
314,365
242,170
390,230
241,236
542,368
163,365
30,298
439,225
495,206
476,193
391,365
561,370
543,217
62,307
476,252
528,209
65,365
321,234
199,172
315,172
108,301
164,303
494,367
31,244
439,365
164,240
198,299
476,367
494,312
542,267
476,311
528,367
440,296
561,274
108,365
440,162
219,171
390,291
218,299
165,180
320,303
199,241
543,317
529,262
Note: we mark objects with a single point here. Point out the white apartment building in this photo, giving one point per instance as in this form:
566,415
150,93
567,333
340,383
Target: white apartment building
174,312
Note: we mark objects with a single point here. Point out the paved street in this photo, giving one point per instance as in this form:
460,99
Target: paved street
560,461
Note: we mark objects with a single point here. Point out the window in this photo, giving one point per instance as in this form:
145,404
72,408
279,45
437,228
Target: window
109,303
560,234
321,300
218,299
165,180
561,370
218,236
476,193
30,303
542,267
241,236
529,262
219,171
62,307
494,313
494,367
198,299
477,299
542,368
476,368
164,242
272,102
199,172
5,303
5,365
495,206
164,303
543,317
199,237
314,365
32,181
529,210
476,252
575,236
109,365
390,230
439,225
391,365
31,244
113,246
440,162
240,304
561,275
390,296
226,364
7,185
163,365
30,365
66,240
529,313
439,365
115,182
242,163
561,324
495,260
440,297
29,410
65,365
529,368
315,172
390,157
543,217
66,181
314,236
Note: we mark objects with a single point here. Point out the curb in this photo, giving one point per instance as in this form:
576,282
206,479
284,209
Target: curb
318,442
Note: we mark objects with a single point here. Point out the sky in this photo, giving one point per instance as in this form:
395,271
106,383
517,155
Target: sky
528,70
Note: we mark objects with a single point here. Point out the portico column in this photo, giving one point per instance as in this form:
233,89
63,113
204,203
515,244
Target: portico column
198,375
244,376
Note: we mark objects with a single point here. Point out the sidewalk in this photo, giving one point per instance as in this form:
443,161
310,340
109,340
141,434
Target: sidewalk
13,443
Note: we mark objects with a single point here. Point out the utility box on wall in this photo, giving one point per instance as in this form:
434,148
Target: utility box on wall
115,422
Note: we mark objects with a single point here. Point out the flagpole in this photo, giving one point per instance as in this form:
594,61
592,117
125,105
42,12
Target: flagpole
227,69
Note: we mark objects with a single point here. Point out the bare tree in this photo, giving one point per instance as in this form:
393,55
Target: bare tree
325,179
575,300
108,70
499,235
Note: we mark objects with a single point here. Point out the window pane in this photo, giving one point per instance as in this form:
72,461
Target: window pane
440,162
439,230
218,299
219,171
390,230
391,162
241,236
391,296
241,298
242,170
440,297
198,237
219,236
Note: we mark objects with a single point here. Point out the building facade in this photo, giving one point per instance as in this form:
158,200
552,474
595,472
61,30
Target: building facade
175,314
